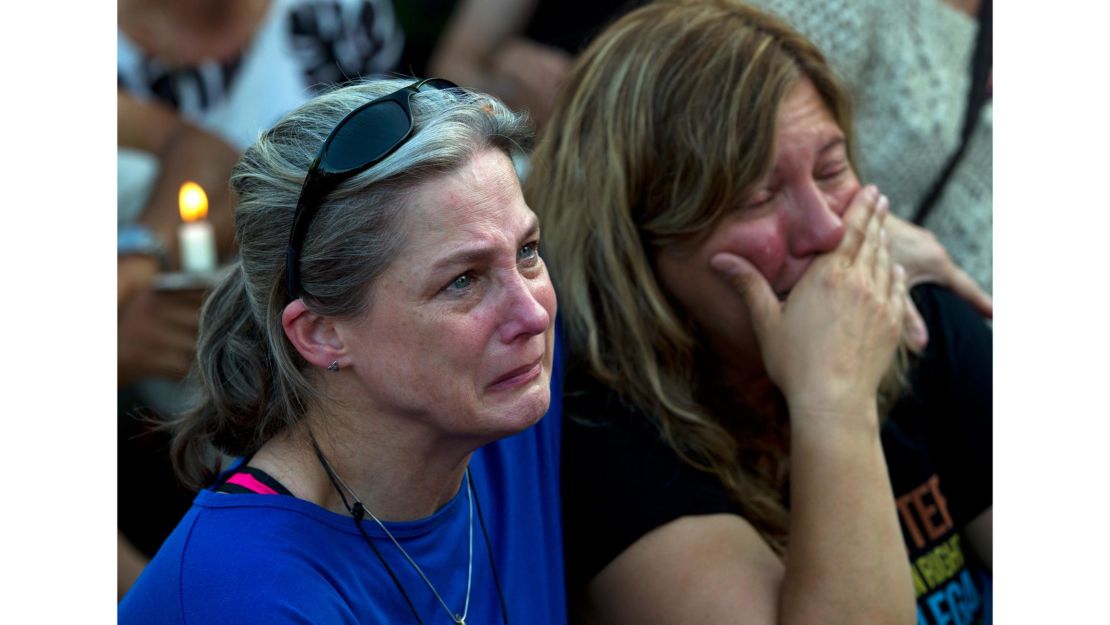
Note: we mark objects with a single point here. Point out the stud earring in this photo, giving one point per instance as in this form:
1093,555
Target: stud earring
334,366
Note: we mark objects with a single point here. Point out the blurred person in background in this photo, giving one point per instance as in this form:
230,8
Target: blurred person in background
520,50
198,80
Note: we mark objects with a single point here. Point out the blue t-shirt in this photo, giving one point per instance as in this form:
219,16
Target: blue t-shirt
277,559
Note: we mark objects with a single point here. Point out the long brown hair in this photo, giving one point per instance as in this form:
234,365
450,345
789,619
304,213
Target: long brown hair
666,122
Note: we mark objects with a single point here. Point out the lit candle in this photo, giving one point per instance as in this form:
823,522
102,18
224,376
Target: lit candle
195,237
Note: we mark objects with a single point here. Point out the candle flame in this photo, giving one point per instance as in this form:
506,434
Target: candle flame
192,202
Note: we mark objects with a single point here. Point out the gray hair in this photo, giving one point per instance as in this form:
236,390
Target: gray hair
252,383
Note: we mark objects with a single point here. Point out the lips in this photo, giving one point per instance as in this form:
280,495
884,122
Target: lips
518,376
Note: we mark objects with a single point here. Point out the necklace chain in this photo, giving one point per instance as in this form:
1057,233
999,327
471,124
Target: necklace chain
459,619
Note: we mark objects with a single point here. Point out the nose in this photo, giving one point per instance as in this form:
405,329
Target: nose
523,315
814,222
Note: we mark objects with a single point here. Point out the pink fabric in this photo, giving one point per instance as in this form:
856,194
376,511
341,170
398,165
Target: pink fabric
248,481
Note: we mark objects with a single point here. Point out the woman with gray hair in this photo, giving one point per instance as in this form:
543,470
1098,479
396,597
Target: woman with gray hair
388,325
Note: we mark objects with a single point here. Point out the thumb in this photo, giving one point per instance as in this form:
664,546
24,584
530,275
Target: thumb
764,307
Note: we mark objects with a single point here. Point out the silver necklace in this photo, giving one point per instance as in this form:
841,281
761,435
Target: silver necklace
459,619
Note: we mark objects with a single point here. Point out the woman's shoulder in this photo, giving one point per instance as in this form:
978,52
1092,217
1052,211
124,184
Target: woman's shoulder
239,558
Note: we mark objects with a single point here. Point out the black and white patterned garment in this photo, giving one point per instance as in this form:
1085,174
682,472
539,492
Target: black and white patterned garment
301,47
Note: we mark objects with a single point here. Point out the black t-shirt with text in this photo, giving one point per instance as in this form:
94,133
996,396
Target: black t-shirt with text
620,480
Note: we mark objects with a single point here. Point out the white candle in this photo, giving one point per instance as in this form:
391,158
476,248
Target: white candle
197,241
195,237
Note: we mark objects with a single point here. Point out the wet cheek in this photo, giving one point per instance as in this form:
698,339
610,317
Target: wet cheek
763,246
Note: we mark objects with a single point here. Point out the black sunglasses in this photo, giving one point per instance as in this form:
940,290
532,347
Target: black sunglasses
362,139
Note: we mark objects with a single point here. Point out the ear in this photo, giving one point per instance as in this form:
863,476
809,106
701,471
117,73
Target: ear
313,335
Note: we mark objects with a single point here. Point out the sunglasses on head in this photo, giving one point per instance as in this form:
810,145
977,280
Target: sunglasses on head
362,139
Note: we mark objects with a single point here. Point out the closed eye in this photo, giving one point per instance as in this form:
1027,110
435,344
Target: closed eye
760,199
833,171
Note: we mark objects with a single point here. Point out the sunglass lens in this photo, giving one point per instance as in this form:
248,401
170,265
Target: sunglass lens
437,83
374,131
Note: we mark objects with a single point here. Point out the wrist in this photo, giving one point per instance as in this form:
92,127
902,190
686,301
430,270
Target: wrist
138,240
832,420
134,273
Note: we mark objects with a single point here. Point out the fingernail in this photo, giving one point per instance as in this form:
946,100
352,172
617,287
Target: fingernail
872,192
884,203
882,235
899,270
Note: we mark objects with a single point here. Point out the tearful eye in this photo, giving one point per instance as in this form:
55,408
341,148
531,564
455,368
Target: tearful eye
527,252
461,282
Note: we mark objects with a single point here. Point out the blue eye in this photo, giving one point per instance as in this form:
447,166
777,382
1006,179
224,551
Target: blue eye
462,282
528,253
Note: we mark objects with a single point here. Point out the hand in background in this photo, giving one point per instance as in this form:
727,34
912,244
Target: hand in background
533,73
482,48
184,152
926,261
134,273
157,334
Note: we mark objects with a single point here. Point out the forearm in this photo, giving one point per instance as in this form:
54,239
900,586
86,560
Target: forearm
143,126
478,29
846,560
185,152
980,534
130,563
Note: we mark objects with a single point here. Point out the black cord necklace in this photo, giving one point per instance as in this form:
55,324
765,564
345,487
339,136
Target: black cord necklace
359,511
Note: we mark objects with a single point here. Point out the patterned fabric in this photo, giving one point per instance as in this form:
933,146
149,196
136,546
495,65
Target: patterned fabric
300,47
907,66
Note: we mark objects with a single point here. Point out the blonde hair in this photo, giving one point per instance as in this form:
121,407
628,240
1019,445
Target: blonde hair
665,123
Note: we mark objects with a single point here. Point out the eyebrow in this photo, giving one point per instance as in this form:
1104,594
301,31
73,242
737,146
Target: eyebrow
482,252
